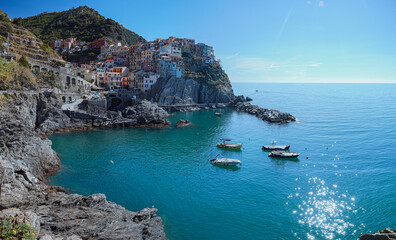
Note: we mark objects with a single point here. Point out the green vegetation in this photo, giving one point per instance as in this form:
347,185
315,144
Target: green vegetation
24,62
4,17
83,23
10,229
15,76
48,78
206,74
82,56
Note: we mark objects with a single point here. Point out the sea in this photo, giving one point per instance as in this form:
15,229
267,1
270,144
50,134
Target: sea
342,185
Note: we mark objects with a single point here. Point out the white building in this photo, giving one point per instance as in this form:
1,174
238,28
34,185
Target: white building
149,79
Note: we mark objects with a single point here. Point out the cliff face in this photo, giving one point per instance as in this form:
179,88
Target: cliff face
200,83
169,91
26,158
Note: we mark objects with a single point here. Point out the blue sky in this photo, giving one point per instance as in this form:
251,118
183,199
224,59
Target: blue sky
262,40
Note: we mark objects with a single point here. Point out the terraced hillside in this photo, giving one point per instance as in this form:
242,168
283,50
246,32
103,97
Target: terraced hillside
20,41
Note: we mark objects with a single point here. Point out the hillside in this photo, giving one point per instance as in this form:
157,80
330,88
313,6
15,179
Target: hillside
83,23
20,41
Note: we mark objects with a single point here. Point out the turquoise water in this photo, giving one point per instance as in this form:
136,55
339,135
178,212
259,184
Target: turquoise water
344,183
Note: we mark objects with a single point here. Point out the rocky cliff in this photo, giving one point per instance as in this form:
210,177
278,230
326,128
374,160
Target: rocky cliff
26,157
200,83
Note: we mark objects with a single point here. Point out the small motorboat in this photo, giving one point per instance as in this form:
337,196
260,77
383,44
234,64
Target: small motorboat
283,154
275,147
228,145
218,114
225,161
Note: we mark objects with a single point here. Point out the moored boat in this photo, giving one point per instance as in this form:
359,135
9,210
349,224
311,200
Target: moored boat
225,161
218,114
275,147
228,145
283,154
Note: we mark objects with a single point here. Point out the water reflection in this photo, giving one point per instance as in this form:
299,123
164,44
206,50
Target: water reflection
324,209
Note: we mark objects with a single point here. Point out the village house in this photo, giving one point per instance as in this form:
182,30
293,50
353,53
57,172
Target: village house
167,68
132,78
112,80
147,81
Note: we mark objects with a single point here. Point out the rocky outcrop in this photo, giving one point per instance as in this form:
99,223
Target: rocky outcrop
26,157
145,113
182,123
200,83
172,91
269,115
386,234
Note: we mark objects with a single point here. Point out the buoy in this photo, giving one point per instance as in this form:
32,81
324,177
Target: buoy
307,157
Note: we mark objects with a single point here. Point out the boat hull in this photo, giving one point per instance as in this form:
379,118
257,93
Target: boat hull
279,147
229,146
226,162
283,154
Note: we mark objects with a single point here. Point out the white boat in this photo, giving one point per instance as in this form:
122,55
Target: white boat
275,147
283,154
223,144
225,161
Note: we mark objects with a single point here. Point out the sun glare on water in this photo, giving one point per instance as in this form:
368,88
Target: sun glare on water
324,209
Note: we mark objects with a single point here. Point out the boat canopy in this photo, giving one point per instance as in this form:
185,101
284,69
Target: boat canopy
225,139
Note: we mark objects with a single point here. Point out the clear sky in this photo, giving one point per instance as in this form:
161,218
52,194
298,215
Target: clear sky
263,40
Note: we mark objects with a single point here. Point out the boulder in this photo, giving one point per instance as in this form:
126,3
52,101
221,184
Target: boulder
386,234
146,113
182,123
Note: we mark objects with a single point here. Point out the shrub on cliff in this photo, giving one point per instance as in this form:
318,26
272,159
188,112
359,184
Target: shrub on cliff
11,229
24,62
14,76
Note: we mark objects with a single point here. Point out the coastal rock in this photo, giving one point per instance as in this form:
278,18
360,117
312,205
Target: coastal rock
386,234
49,116
146,113
26,157
91,217
269,115
20,217
237,99
173,91
182,123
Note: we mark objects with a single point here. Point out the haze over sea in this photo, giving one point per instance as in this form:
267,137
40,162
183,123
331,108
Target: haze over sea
343,184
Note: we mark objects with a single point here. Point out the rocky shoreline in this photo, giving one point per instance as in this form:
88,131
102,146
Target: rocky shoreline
26,156
26,119
269,115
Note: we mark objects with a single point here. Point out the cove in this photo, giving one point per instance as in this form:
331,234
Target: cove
340,187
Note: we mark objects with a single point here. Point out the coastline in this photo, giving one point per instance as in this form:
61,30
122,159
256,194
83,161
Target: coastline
27,157
37,115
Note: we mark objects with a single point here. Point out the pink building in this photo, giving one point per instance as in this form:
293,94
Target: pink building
113,80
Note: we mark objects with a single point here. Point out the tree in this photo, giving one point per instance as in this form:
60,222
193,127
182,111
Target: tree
18,21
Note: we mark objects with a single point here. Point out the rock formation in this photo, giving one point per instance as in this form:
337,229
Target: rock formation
182,123
386,234
200,84
26,157
269,115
